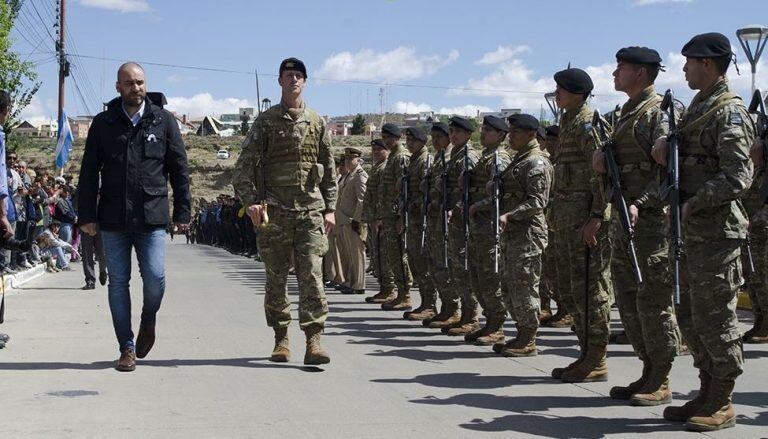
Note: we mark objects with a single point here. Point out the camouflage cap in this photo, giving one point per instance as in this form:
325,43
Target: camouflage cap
293,64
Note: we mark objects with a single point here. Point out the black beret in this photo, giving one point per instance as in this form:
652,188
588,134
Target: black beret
638,55
352,152
440,126
461,123
378,143
524,122
293,64
391,129
541,133
710,45
417,133
496,123
553,130
574,81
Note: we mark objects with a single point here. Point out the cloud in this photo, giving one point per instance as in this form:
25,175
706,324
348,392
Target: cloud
464,110
204,104
402,63
656,2
119,5
38,112
501,54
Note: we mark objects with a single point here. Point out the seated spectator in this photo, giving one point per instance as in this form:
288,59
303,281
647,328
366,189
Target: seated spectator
50,245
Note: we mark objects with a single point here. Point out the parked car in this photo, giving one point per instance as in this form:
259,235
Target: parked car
222,154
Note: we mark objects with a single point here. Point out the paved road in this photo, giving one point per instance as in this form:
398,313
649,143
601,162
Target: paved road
208,375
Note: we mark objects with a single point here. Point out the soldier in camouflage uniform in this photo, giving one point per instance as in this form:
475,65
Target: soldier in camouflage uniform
382,270
460,130
418,257
439,264
527,183
483,279
646,310
580,216
286,170
389,197
757,285
715,170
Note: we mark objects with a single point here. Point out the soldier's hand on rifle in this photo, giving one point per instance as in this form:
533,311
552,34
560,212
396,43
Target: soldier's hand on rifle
473,209
598,162
330,221
89,229
589,231
503,221
634,213
256,214
756,153
659,151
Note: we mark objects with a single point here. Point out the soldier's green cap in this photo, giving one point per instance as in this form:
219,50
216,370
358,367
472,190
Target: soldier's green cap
709,45
293,64
417,133
462,123
351,152
574,81
496,123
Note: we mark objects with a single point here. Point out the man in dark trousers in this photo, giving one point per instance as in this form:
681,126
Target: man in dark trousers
133,149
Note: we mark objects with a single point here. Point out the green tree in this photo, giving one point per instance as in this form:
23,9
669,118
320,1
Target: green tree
18,77
358,125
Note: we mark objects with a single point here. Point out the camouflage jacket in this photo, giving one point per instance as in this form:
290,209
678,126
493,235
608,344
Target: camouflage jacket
435,177
454,174
371,198
294,159
417,185
389,186
482,175
527,182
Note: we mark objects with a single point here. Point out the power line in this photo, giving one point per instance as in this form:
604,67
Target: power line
34,6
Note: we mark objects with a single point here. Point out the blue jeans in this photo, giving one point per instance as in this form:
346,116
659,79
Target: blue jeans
65,232
150,252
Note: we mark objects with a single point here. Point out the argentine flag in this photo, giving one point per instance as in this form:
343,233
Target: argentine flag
63,142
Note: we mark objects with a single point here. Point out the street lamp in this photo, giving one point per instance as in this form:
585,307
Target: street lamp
550,98
758,34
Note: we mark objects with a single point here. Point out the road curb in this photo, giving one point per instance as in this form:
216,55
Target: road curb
14,281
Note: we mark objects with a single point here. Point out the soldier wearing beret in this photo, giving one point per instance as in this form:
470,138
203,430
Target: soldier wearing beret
460,131
436,235
295,210
371,204
526,182
416,141
389,191
715,170
349,216
580,216
646,310
483,281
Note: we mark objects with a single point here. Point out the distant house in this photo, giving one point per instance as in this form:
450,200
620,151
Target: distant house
185,126
339,127
503,113
26,129
80,125
49,130
210,126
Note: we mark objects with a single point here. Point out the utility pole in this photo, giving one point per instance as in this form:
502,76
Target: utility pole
63,63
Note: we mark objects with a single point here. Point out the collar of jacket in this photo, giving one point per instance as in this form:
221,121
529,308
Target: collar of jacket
115,111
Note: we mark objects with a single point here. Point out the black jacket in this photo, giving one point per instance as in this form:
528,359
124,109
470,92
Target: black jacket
125,171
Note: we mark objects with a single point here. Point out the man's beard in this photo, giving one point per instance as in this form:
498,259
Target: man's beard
134,99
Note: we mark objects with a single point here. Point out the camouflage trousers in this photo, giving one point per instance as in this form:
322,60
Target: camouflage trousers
551,280
521,277
418,260
379,261
460,282
757,282
589,297
441,272
298,237
646,310
397,259
710,279
482,280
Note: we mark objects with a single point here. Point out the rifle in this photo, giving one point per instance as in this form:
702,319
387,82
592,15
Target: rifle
465,204
263,184
614,192
495,186
424,203
670,191
403,202
378,255
445,208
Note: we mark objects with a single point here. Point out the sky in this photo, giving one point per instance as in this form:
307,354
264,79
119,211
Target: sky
449,56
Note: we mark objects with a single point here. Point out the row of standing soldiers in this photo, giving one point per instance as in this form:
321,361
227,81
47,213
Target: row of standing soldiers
473,226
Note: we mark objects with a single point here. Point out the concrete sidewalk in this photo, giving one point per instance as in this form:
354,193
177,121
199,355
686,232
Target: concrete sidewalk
208,375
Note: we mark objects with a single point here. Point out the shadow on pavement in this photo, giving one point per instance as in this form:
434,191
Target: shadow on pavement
250,362
460,380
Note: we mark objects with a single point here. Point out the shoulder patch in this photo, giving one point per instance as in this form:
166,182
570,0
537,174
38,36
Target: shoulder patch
735,119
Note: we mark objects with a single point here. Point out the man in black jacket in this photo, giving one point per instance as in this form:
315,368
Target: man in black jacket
133,149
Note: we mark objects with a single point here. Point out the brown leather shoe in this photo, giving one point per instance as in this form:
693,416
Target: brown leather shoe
145,340
127,361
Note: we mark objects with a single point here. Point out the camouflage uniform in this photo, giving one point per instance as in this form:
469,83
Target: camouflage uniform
715,169
371,203
646,310
389,193
418,260
757,284
300,179
527,183
578,197
484,282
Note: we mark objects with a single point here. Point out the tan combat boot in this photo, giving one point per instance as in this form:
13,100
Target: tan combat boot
381,297
468,323
281,352
493,332
425,310
558,320
717,412
545,313
401,302
315,354
682,413
591,369
524,344
655,391
626,392
448,316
